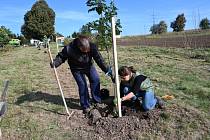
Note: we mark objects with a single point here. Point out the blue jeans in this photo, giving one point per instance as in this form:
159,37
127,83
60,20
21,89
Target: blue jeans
94,80
148,98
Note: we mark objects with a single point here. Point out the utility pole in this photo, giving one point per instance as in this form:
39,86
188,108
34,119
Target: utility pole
153,18
194,19
144,30
199,20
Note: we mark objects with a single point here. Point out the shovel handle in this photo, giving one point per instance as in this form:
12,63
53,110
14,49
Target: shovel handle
58,82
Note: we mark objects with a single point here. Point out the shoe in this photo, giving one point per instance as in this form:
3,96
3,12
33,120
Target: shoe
86,110
160,103
96,105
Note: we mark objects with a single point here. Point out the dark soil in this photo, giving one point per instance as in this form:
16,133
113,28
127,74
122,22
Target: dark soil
170,123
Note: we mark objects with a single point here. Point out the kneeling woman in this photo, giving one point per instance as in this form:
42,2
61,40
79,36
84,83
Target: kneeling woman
134,85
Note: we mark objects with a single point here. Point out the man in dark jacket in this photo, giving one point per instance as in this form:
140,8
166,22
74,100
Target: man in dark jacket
80,54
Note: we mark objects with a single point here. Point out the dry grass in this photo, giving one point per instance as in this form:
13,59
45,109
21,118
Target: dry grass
179,72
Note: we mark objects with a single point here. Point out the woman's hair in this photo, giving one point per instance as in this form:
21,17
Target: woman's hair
125,70
82,42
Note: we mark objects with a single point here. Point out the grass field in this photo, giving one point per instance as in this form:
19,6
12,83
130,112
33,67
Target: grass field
183,73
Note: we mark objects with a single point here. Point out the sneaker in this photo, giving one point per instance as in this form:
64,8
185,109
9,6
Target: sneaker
160,103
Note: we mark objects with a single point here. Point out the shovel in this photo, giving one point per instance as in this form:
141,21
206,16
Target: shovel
3,104
58,82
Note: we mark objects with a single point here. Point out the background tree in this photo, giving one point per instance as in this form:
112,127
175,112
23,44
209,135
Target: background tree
102,26
179,24
85,30
162,27
74,34
204,24
39,21
159,28
22,39
154,29
67,40
5,35
59,34
96,5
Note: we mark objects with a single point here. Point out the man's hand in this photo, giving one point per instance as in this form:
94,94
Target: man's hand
56,63
52,64
109,73
113,79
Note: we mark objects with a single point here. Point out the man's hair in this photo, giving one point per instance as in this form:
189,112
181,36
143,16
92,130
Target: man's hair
82,42
125,70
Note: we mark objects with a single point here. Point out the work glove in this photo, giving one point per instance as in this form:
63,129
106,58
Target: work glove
52,64
109,72
113,79
56,62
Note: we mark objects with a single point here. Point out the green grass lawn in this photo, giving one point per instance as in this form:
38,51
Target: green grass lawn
184,73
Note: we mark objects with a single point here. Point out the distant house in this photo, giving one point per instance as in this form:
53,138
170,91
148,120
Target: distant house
36,43
60,40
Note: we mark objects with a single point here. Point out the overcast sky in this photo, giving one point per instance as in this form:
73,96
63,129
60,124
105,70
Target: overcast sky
137,16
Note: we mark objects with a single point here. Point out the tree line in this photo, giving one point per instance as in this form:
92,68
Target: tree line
177,25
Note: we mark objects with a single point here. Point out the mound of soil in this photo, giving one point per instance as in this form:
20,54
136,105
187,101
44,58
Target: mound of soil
174,122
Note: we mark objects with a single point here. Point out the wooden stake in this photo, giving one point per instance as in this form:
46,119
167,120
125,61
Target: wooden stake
116,67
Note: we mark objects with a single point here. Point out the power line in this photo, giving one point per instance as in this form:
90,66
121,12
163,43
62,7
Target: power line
199,17
194,19
153,17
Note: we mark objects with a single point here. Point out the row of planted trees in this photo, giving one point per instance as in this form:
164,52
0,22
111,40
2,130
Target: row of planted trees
177,25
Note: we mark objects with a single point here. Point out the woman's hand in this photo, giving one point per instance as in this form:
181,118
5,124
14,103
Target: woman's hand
128,96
